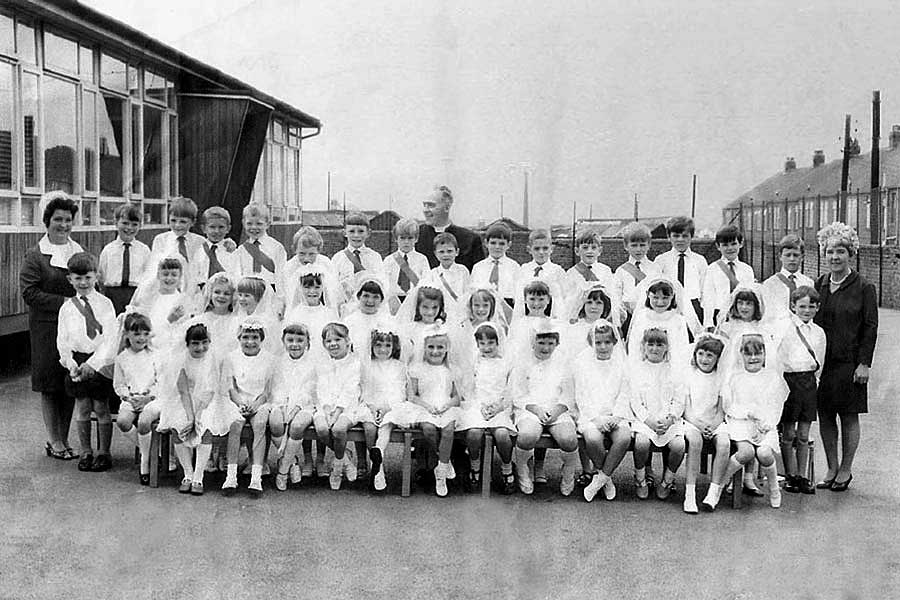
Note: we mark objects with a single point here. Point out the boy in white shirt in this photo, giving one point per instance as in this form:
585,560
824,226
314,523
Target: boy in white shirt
541,266
685,266
724,275
123,260
261,255
449,276
802,352
86,340
636,239
179,240
216,254
356,257
497,272
405,267
588,248
777,289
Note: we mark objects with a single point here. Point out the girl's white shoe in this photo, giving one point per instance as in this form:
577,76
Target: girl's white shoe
690,505
380,482
609,489
440,480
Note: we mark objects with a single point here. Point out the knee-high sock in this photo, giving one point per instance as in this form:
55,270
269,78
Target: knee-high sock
203,452
291,450
143,442
104,432
771,476
84,437
733,467
132,435
570,460
186,458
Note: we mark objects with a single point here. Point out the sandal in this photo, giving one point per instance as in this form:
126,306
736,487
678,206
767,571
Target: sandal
70,454
57,454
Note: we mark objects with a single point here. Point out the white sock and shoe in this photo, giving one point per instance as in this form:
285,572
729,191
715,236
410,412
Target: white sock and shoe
350,468
440,479
597,483
690,499
712,497
567,480
337,472
524,460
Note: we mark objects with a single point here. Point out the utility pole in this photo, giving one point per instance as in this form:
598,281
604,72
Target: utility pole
635,207
501,206
845,173
875,190
525,200
694,197
345,209
328,201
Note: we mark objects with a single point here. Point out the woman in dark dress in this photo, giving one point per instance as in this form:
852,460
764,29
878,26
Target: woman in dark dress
44,285
848,312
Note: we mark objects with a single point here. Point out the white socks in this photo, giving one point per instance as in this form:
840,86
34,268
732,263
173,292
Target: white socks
143,443
186,458
203,452
291,451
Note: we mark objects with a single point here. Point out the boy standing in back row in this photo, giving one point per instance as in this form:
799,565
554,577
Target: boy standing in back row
685,266
724,275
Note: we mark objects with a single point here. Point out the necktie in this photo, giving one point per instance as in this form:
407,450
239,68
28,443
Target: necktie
214,265
257,266
495,273
91,325
182,248
732,282
403,280
537,270
681,268
126,264
792,283
637,264
358,266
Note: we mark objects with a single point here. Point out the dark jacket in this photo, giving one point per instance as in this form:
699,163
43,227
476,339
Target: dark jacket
849,317
471,249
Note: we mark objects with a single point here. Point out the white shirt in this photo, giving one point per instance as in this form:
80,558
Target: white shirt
200,261
695,269
601,386
717,288
71,335
338,383
575,282
271,248
777,296
792,352
166,244
135,373
343,268
550,273
627,283
507,276
418,263
457,277
110,262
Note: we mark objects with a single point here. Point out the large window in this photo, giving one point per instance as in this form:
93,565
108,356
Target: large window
75,117
277,183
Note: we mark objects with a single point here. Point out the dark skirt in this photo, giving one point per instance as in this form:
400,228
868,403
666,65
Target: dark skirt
47,375
838,393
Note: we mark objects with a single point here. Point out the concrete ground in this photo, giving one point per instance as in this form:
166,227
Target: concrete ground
85,535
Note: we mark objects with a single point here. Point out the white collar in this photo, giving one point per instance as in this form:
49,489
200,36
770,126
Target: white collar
59,253
442,229
633,261
787,273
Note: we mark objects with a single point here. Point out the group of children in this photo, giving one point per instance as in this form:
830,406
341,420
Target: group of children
668,353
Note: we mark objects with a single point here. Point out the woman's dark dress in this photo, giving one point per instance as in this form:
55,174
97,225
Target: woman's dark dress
849,317
44,289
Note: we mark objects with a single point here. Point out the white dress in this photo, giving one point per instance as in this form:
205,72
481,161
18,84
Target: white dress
702,400
295,383
656,390
544,383
750,399
435,384
165,334
223,332
490,389
601,387
136,373
676,330
338,384
314,318
384,387
202,383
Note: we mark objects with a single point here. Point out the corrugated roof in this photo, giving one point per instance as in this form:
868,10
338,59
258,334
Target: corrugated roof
824,180
77,17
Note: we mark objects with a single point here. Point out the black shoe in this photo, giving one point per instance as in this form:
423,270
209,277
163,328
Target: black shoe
825,484
472,481
806,486
841,486
145,478
86,462
102,462
752,492
792,484
509,484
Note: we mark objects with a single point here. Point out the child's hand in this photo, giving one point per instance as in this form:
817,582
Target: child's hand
185,432
176,313
547,417
608,424
75,374
377,416
229,245
247,410
488,411
87,371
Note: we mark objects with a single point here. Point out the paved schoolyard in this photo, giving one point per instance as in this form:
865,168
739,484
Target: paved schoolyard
73,535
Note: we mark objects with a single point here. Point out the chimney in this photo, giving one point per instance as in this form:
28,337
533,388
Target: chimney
819,158
789,164
895,137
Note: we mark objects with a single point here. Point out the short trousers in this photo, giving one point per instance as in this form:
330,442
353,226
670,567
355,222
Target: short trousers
801,402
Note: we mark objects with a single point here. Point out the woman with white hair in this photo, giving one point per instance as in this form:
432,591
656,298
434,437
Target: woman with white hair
848,312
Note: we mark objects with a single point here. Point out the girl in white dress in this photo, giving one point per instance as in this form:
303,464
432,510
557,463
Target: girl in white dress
601,398
162,296
338,379
657,406
753,397
219,313
490,407
248,374
704,417
662,309
292,402
256,299
434,392
384,398
312,305
188,383
135,379
369,309
588,307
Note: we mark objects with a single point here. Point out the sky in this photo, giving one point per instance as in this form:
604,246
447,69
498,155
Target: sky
595,101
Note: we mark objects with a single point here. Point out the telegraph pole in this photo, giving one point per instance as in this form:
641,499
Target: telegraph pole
694,197
875,190
845,173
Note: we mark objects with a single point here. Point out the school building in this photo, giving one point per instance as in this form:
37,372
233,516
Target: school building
98,109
